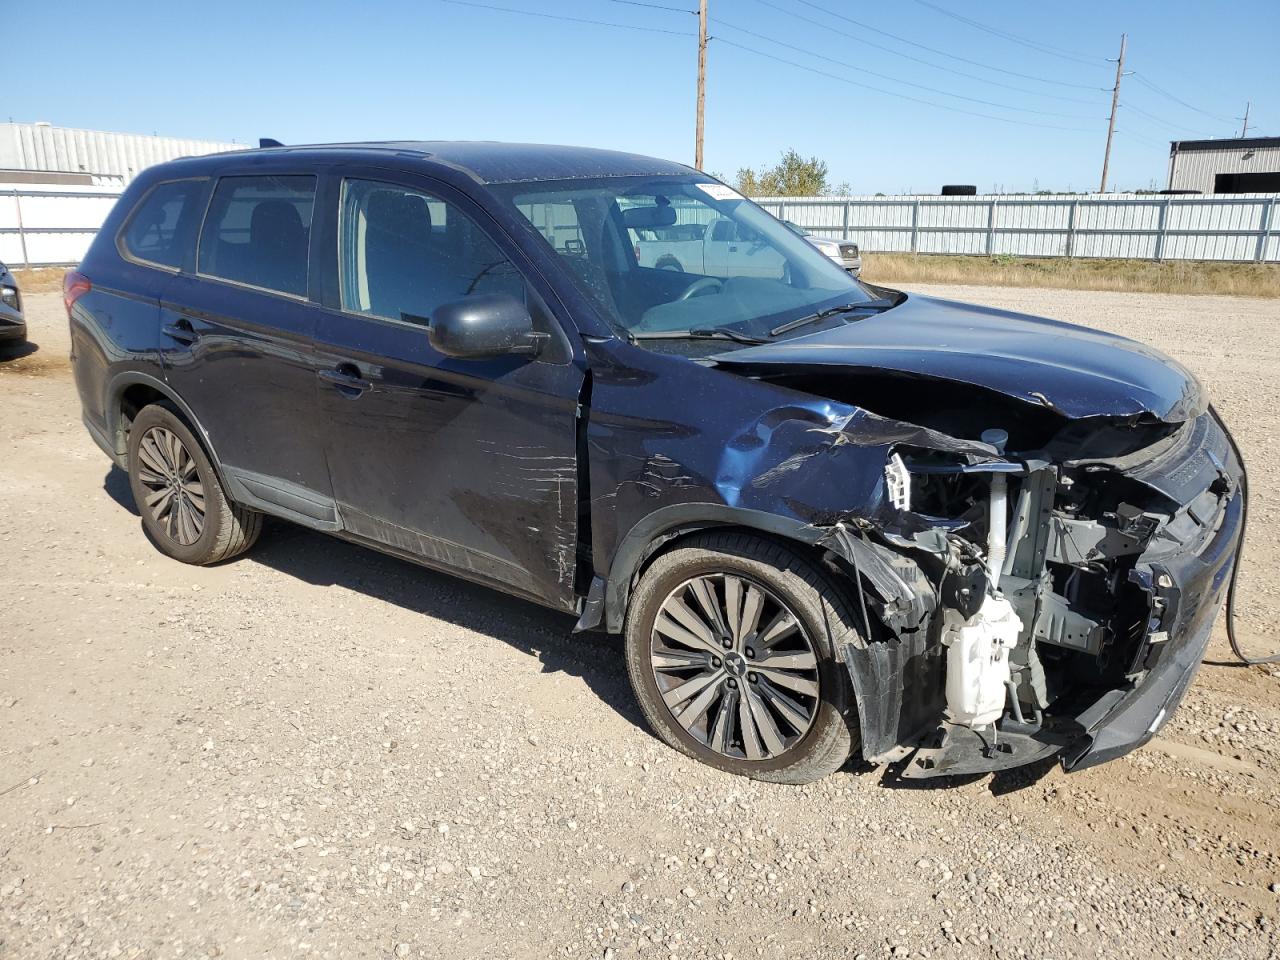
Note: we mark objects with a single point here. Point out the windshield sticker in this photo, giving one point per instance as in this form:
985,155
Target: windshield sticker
718,191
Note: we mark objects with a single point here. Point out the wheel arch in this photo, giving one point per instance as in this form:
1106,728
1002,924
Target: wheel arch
659,531
124,390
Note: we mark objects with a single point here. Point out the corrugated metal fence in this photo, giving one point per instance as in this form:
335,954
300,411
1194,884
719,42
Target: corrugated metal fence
55,226
51,227
1243,227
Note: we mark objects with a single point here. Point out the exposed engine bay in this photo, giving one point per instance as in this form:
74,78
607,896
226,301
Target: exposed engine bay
1056,577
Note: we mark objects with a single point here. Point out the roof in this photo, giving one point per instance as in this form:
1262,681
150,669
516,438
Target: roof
1224,143
492,162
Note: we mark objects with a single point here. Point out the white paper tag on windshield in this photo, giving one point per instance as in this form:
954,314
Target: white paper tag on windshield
718,191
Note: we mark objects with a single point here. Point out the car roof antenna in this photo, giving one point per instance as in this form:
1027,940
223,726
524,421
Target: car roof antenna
264,142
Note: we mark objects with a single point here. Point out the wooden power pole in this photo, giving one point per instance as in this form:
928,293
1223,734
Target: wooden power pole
702,79
1115,103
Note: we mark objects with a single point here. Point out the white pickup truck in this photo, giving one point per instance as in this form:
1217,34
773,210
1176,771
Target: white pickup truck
726,248
721,248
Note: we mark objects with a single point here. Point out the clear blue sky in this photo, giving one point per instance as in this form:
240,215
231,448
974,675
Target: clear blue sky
325,70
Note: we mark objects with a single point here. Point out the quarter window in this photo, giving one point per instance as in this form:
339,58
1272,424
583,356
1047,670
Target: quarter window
403,253
152,232
258,232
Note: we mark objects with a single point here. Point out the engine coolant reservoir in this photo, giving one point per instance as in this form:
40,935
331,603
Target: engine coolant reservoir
978,661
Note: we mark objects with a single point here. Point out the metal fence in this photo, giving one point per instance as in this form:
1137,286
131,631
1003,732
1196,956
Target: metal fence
51,227
54,227
1242,227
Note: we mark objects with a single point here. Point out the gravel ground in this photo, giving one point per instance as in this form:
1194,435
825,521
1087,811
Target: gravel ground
319,751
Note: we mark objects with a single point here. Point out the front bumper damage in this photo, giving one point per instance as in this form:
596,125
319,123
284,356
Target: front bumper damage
1170,572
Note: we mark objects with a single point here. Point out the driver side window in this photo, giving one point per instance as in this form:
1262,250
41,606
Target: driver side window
403,253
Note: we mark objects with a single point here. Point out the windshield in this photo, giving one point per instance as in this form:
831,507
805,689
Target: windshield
670,255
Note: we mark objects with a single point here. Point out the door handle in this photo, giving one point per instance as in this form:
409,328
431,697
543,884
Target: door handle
346,377
180,330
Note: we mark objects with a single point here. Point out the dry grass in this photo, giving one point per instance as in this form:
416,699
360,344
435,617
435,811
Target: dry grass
40,279
1130,276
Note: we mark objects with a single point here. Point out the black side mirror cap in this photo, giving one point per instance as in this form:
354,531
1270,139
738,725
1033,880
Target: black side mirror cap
484,325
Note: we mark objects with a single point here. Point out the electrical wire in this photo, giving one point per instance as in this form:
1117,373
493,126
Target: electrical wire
1014,38
1126,105
1165,93
893,93
906,56
655,6
892,79
931,49
557,16
1141,139
1235,568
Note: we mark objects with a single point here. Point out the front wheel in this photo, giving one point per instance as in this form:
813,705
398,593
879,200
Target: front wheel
177,492
729,644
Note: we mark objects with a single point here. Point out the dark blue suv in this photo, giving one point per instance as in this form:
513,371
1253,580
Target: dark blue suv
823,514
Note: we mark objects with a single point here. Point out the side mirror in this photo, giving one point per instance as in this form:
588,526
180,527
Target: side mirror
484,325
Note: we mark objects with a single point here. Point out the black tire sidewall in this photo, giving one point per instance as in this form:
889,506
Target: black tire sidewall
198,552
834,713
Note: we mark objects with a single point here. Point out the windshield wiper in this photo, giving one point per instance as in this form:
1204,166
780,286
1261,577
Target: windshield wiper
874,305
702,333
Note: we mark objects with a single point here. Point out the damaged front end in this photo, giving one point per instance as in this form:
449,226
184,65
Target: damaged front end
1048,551
1063,602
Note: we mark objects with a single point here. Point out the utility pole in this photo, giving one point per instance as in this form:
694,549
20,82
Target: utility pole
1115,103
702,79
1244,131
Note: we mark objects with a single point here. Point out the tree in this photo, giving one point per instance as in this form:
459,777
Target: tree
791,176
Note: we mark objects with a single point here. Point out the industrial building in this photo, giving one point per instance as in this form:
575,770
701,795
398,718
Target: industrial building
43,153
1241,165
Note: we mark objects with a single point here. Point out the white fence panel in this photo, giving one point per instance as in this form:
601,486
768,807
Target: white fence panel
55,226
1151,227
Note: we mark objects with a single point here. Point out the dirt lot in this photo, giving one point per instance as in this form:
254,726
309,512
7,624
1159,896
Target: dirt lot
319,751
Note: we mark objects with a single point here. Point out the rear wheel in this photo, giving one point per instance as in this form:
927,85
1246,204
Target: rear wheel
729,643
177,492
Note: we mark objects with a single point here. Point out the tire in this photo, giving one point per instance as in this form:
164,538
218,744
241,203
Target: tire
157,438
784,583
669,263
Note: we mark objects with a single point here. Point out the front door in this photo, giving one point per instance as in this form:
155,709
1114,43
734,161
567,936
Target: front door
468,465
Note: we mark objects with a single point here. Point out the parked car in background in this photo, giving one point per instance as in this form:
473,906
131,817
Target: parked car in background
722,248
843,251
13,325
825,515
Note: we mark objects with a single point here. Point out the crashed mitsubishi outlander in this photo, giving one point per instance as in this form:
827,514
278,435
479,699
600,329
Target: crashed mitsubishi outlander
828,517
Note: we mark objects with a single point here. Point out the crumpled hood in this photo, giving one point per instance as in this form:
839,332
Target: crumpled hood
1075,370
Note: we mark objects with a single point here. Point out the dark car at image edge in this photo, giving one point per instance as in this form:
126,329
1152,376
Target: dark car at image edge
13,324
827,517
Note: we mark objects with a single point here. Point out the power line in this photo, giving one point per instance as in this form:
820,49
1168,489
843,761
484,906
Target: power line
1160,120
892,79
556,16
1165,93
655,6
1014,38
1141,139
892,93
898,53
941,53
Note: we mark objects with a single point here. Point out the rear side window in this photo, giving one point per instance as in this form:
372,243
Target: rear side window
258,231
152,233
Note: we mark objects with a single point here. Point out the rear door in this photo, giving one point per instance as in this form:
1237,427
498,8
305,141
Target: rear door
468,465
237,337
